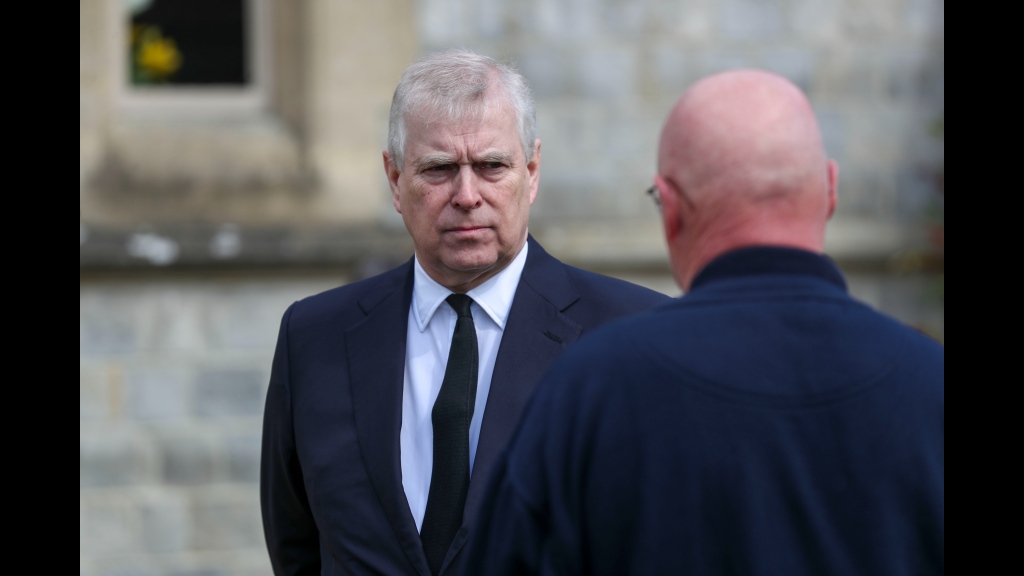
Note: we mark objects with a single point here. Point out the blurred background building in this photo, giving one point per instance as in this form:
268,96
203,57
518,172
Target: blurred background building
230,163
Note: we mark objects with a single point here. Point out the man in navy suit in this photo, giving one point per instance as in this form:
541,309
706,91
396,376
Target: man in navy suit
364,469
764,423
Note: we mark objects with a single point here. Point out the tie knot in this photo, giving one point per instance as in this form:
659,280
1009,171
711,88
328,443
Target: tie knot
460,303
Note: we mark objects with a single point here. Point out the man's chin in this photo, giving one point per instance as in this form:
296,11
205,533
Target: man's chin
470,266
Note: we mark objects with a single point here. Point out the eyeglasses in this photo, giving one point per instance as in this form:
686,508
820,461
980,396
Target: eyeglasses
655,196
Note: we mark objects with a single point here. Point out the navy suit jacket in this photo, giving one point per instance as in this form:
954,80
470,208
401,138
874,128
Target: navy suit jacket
331,483
764,424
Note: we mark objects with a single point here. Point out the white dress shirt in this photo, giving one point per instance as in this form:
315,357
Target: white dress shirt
431,323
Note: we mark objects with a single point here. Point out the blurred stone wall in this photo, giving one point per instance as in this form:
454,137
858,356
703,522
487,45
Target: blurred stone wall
198,227
173,374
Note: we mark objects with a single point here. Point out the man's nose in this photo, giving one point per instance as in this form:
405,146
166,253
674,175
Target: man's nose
466,193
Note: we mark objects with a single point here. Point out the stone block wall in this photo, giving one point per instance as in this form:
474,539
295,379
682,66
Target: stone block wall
172,379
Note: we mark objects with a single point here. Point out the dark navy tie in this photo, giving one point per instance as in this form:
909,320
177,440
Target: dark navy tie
452,413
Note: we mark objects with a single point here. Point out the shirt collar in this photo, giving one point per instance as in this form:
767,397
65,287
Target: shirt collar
493,296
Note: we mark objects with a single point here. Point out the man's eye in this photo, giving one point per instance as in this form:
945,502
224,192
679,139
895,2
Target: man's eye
440,168
491,165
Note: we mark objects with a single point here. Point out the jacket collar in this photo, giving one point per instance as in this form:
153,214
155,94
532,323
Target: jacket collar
769,260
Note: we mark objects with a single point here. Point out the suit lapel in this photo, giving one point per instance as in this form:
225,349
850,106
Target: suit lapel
535,334
376,358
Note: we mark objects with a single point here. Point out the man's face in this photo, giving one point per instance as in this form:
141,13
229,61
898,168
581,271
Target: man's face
464,192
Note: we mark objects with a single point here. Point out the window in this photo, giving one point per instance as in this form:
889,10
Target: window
206,58
186,42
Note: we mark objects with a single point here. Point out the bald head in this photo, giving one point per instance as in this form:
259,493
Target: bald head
742,155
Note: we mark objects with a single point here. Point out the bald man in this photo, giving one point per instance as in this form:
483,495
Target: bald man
764,423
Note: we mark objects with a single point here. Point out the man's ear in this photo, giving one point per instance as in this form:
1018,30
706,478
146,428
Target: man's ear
833,186
533,169
674,219
671,218
393,172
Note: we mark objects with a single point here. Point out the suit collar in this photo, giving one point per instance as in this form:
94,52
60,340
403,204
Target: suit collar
385,286
548,278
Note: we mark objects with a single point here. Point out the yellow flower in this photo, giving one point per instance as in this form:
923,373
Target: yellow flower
157,55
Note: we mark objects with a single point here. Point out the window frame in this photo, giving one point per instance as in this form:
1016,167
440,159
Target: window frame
199,102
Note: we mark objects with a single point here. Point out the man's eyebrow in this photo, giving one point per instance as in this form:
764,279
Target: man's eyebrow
495,156
432,160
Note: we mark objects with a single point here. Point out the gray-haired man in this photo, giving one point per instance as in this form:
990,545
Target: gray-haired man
390,398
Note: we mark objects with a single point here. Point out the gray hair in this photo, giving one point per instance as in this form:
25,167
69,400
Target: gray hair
453,84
